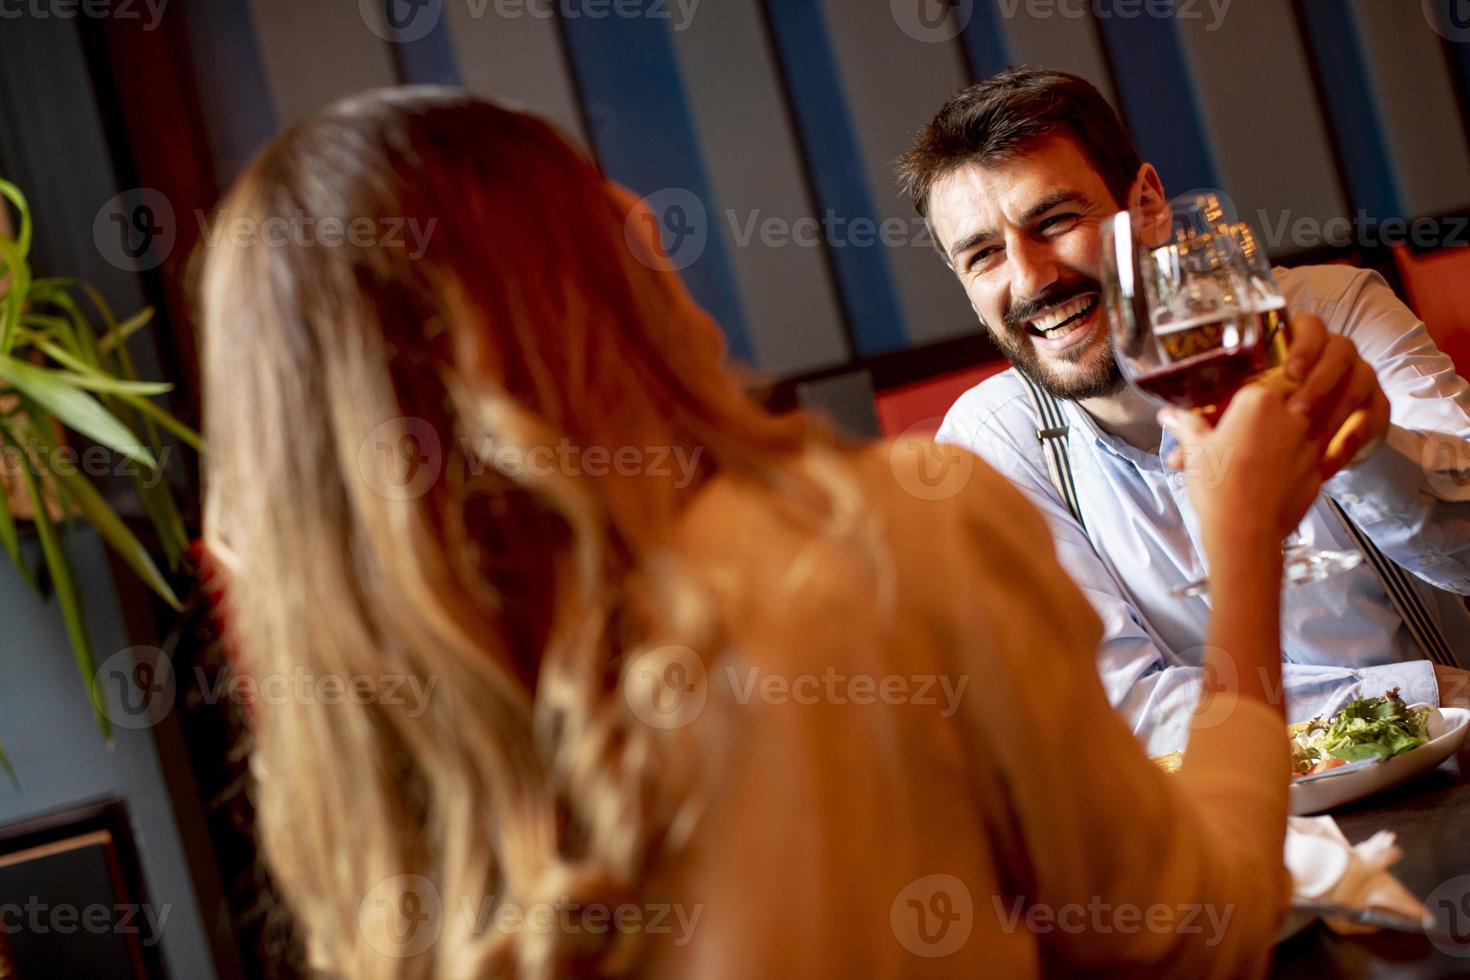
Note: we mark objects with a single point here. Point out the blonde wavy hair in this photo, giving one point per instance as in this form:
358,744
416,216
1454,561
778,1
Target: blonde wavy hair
539,314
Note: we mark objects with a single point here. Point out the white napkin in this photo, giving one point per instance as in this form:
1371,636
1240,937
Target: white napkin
1325,868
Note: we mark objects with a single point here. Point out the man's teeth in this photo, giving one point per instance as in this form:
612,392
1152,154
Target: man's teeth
1050,324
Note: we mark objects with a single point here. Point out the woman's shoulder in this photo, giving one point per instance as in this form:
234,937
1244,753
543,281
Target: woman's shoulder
908,504
909,474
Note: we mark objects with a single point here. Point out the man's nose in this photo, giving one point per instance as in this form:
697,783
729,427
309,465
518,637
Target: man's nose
1033,268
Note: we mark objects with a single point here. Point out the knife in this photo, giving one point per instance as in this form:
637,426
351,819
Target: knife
1367,763
1370,917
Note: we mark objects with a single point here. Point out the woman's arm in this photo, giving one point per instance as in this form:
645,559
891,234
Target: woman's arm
1127,868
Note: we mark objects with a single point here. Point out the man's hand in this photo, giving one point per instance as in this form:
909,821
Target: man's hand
1338,392
1454,686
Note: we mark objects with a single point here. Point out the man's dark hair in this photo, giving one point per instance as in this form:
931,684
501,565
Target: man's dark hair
1000,117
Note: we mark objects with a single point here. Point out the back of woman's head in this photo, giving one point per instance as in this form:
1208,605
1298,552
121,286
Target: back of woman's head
454,404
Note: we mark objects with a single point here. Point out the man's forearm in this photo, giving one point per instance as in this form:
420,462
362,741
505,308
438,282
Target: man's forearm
1414,502
1160,704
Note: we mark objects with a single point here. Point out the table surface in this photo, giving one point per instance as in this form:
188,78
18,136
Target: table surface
1431,816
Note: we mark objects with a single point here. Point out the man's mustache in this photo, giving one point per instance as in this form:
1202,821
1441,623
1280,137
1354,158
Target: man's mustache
1029,309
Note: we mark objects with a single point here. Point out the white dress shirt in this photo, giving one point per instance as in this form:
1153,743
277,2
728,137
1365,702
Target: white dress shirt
1340,638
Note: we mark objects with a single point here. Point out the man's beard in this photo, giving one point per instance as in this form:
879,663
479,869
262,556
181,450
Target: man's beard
1015,341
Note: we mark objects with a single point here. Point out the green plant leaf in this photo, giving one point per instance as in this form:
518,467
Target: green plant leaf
80,336
163,418
102,517
157,496
66,592
15,293
83,375
154,489
113,386
109,321
158,502
57,327
74,408
9,769
14,195
11,541
120,333
151,413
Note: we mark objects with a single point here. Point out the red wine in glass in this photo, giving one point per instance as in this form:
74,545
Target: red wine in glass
1211,358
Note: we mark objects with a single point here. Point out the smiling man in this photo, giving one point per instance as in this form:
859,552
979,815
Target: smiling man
1014,176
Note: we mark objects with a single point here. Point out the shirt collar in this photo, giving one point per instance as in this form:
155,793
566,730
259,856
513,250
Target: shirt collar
1141,458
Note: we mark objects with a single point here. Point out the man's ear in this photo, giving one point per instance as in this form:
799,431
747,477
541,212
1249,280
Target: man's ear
1146,200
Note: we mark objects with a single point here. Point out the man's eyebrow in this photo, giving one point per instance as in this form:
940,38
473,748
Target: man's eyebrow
1051,201
969,242
1035,211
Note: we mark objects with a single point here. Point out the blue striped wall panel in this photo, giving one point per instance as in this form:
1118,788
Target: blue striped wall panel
1451,18
733,85
667,105
1422,128
643,132
419,38
519,61
814,90
895,72
1257,120
1352,106
984,38
1156,92
1041,35
317,53
233,92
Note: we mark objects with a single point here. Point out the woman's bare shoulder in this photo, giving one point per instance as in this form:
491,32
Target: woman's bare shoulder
907,510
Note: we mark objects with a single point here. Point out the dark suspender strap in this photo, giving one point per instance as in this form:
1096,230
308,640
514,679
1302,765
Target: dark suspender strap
1051,430
1406,600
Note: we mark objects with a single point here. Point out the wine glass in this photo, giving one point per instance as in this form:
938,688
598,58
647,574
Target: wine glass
1195,318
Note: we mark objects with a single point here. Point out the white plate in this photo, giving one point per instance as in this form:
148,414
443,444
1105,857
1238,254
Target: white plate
1447,730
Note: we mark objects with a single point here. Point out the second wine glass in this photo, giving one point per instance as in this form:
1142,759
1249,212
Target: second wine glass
1193,320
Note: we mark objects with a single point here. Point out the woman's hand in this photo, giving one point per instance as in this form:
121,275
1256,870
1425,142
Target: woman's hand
1252,477
1338,391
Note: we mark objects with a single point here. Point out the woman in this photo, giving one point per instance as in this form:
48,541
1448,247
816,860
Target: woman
789,707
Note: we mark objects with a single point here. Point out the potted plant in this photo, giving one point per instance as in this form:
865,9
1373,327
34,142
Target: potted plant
65,372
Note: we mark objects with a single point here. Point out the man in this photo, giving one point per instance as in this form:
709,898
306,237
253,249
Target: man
1014,177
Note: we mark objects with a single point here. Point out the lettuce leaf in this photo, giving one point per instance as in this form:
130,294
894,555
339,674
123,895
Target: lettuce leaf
1380,727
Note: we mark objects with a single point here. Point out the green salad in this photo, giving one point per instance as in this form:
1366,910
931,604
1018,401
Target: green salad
1383,727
